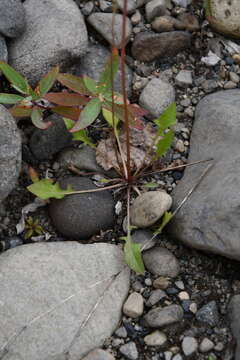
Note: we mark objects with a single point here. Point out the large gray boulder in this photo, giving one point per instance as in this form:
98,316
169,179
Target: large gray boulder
210,219
10,153
48,291
12,18
55,34
233,314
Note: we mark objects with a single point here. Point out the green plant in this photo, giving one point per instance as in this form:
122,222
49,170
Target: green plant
32,227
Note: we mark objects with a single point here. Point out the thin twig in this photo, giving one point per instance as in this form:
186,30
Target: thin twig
135,188
95,190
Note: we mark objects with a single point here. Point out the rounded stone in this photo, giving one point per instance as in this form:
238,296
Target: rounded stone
189,345
80,216
157,338
160,317
160,261
149,208
133,307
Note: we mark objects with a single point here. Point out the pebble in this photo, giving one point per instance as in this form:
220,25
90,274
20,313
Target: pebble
184,78
131,6
208,314
206,345
219,346
88,8
144,238
168,355
163,23
234,77
155,8
136,18
133,307
230,85
189,346
182,3
183,295
121,332
160,261
161,283
177,357
157,338
180,284
155,297
129,350
180,146
160,317
99,354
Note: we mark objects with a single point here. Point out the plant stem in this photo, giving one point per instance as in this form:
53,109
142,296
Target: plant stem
96,190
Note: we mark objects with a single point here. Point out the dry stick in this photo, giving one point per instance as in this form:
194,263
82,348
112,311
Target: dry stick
75,170
184,200
95,190
5,348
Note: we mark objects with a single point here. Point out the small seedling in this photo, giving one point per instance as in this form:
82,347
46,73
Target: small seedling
32,228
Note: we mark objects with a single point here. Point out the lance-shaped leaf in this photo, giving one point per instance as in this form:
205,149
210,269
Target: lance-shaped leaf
80,135
165,143
167,119
165,220
21,111
17,80
68,112
111,119
133,256
74,83
134,121
45,189
91,85
10,98
66,99
109,72
88,115
37,119
47,81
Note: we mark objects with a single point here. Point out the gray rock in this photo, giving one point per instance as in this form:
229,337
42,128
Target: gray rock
157,338
144,238
92,64
160,261
55,34
163,23
99,354
224,17
129,350
182,3
45,143
149,46
187,21
133,306
155,8
88,8
121,332
233,314
208,314
12,18
184,78
102,22
177,357
131,5
3,49
36,279
10,153
206,345
160,317
80,216
157,96
155,297
210,220
189,346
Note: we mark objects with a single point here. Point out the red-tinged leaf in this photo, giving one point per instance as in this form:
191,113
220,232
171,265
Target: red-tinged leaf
74,83
37,119
47,82
109,72
137,110
20,111
72,113
66,99
17,80
88,115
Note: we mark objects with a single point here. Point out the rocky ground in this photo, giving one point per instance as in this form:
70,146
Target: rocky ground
61,299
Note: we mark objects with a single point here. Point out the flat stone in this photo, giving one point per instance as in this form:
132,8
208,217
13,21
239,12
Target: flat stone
55,34
157,338
10,153
163,23
160,261
233,314
12,18
45,143
144,238
184,78
155,8
133,306
155,297
157,96
129,350
3,49
37,280
99,354
210,221
121,332
189,345
161,283
150,46
160,317
206,345
92,64
224,16
81,216
208,314
102,22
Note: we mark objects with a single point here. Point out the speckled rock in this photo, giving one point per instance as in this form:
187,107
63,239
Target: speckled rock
3,49
12,18
189,346
155,8
160,261
157,338
99,354
160,317
208,314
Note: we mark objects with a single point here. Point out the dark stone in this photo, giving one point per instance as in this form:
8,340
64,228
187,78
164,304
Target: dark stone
45,143
233,314
150,46
80,216
208,314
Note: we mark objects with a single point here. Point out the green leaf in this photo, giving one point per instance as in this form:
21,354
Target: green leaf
109,72
17,80
47,82
91,85
151,185
88,115
166,218
37,119
74,83
21,111
79,135
108,116
167,119
165,143
10,98
133,256
45,189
